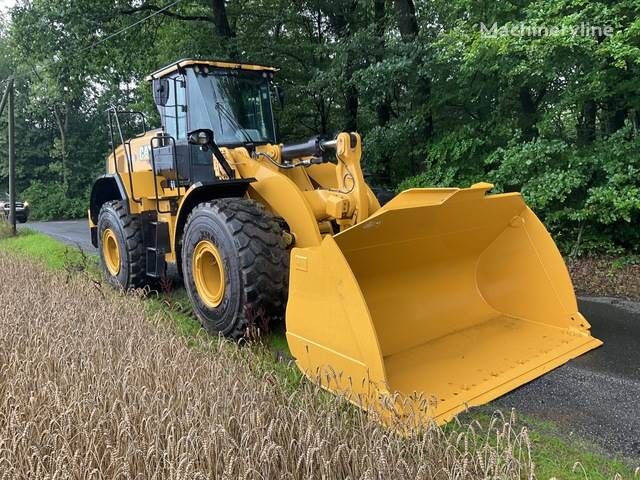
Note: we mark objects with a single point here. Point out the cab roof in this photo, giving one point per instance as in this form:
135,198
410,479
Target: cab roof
189,62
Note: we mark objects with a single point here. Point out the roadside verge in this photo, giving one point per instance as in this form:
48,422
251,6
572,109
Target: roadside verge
75,283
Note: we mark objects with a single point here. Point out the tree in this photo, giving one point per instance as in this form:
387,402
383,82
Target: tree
409,31
438,101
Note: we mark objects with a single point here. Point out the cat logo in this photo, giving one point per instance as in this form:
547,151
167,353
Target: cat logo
144,152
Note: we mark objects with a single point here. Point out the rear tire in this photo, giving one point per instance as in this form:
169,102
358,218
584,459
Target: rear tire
120,246
235,266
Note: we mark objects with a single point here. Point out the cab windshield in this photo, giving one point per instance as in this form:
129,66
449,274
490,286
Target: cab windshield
238,106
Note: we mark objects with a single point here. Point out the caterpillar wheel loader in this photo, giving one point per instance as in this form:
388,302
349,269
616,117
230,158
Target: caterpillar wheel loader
443,298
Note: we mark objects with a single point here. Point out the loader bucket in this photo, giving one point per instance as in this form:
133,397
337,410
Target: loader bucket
443,299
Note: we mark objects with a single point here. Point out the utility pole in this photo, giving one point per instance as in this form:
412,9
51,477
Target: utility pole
9,96
12,159
5,96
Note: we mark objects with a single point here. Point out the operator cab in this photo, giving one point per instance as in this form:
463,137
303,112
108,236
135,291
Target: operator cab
231,100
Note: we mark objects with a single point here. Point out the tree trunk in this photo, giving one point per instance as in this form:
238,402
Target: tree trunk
528,115
223,28
586,127
323,117
619,118
615,115
383,109
407,21
351,109
408,27
221,20
341,22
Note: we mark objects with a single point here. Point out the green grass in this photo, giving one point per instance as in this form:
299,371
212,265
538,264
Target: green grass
625,261
53,254
174,306
555,455
554,452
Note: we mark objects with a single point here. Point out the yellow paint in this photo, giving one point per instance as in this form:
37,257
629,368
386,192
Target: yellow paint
91,224
279,192
451,294
111,251
208,273
444,298
454,294
141,175
211,63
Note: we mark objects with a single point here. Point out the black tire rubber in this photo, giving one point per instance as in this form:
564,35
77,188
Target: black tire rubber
256,264
128,232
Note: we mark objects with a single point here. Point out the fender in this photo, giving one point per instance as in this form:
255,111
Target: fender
203,192
106,188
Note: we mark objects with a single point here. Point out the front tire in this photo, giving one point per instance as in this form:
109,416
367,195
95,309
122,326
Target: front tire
120,246
235,265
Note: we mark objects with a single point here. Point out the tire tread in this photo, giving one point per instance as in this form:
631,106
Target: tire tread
264,259
133,242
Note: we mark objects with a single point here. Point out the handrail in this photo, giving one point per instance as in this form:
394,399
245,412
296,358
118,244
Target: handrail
113,143
143,117
127,151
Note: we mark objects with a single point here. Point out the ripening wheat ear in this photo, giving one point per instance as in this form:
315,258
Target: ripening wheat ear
89,388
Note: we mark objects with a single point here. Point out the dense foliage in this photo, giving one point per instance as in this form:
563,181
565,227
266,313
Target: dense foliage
441,94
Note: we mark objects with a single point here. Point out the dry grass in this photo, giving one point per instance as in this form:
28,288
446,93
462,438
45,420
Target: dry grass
5,228
89,388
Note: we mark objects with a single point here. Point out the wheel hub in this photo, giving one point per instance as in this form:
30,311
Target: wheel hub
111,251
208,273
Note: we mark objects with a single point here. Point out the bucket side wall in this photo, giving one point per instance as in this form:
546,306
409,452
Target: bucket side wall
329,329
417,266
523,275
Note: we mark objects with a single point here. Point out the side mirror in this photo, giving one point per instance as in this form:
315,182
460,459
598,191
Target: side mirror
202,137
280,95
161,91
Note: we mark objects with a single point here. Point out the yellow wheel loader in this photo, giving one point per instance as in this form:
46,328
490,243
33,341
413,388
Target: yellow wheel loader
442,299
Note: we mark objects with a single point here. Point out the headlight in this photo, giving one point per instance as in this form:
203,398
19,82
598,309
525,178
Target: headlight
26,204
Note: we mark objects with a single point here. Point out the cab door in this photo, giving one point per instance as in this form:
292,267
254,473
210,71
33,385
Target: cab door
194,164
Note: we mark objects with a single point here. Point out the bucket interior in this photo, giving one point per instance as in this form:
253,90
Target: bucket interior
464,296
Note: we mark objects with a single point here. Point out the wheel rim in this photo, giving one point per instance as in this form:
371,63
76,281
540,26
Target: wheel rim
208,273
111,251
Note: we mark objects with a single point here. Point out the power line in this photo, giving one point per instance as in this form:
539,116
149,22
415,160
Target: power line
47,64
128,27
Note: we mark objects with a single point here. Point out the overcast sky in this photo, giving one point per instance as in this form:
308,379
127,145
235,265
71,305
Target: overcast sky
4,4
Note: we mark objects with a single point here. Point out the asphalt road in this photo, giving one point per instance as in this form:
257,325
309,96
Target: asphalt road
596,395
72,232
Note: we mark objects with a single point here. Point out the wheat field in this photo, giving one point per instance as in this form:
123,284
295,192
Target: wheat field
92,388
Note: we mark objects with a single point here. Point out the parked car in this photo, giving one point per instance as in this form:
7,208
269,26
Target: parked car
22,209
